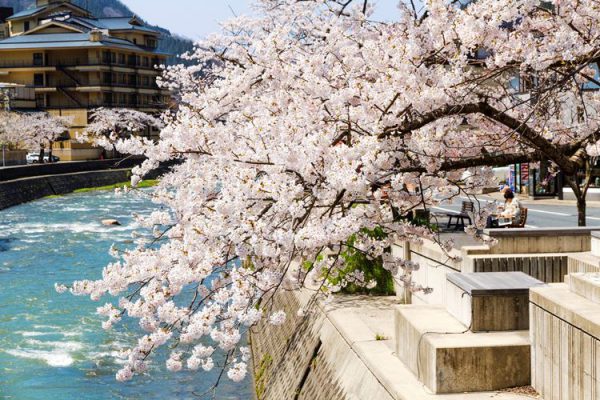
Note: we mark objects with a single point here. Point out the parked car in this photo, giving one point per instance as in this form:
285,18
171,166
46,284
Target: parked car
34,158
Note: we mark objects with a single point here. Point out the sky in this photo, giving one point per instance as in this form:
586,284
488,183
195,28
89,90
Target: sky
197,18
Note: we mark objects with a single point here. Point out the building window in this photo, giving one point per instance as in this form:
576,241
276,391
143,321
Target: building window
122,59
151,43
26,26
38,80
40,100
38,59
146,81
108,98
145,62
106,57
131,60
107,78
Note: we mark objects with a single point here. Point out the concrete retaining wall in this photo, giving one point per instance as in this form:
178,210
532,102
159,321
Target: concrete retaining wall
21,191
565,345
13,157
549,268
29,171
308,358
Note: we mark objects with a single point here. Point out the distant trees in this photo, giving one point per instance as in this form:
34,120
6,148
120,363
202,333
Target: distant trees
9,128
36,130
116,128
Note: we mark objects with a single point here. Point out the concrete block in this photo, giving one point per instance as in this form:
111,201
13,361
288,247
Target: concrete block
596,243
494,301
448,359
540,240
586,285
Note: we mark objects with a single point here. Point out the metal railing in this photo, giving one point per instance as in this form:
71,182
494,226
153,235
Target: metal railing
96,104
74,62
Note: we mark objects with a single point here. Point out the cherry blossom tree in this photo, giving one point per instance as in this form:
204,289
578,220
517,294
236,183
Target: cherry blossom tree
312,123
10,125
33,130
9,129
112,127
40,130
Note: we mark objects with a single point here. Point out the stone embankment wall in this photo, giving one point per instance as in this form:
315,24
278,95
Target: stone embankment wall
309,358
21,191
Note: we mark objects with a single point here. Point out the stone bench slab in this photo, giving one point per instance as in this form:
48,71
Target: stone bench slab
494,283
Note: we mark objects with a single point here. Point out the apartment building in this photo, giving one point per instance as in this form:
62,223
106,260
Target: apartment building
67,62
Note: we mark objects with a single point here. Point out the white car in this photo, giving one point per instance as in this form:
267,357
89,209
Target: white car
34,158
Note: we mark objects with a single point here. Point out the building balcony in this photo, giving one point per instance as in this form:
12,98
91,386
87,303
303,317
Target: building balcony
52,65
97,104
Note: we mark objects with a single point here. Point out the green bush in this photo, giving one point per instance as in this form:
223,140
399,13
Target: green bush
372,268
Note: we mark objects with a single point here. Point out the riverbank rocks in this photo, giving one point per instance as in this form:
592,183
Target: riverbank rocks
110,222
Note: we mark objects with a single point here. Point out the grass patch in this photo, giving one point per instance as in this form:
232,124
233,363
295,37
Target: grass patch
143,184
260,375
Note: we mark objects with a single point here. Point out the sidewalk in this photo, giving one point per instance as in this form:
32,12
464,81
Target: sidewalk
544,202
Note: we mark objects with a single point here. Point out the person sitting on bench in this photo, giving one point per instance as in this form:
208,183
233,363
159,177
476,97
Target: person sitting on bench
511,211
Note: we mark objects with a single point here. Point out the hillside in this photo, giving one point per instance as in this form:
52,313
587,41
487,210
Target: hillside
170,43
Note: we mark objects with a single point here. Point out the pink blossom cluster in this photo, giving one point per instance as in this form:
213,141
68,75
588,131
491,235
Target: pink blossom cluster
309,123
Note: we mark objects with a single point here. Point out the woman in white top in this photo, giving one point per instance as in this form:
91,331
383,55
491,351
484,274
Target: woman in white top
512,207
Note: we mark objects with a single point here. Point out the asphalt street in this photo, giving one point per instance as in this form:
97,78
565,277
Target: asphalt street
540,215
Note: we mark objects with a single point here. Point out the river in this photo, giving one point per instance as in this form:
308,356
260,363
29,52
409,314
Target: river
52,346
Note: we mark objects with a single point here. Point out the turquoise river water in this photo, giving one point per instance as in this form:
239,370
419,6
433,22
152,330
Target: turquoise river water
52,346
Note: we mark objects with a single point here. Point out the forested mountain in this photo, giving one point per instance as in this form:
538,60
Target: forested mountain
170,43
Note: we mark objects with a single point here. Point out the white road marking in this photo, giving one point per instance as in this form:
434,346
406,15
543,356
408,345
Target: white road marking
550,212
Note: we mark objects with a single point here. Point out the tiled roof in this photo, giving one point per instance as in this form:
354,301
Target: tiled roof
121,23
27,12
64,40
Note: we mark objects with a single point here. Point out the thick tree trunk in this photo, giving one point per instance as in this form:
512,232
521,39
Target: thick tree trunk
580,196
41,157
50,153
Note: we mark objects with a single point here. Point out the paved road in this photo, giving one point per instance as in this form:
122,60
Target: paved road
542,215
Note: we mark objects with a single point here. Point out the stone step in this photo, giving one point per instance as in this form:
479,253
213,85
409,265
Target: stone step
447,358
490,301
585,285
